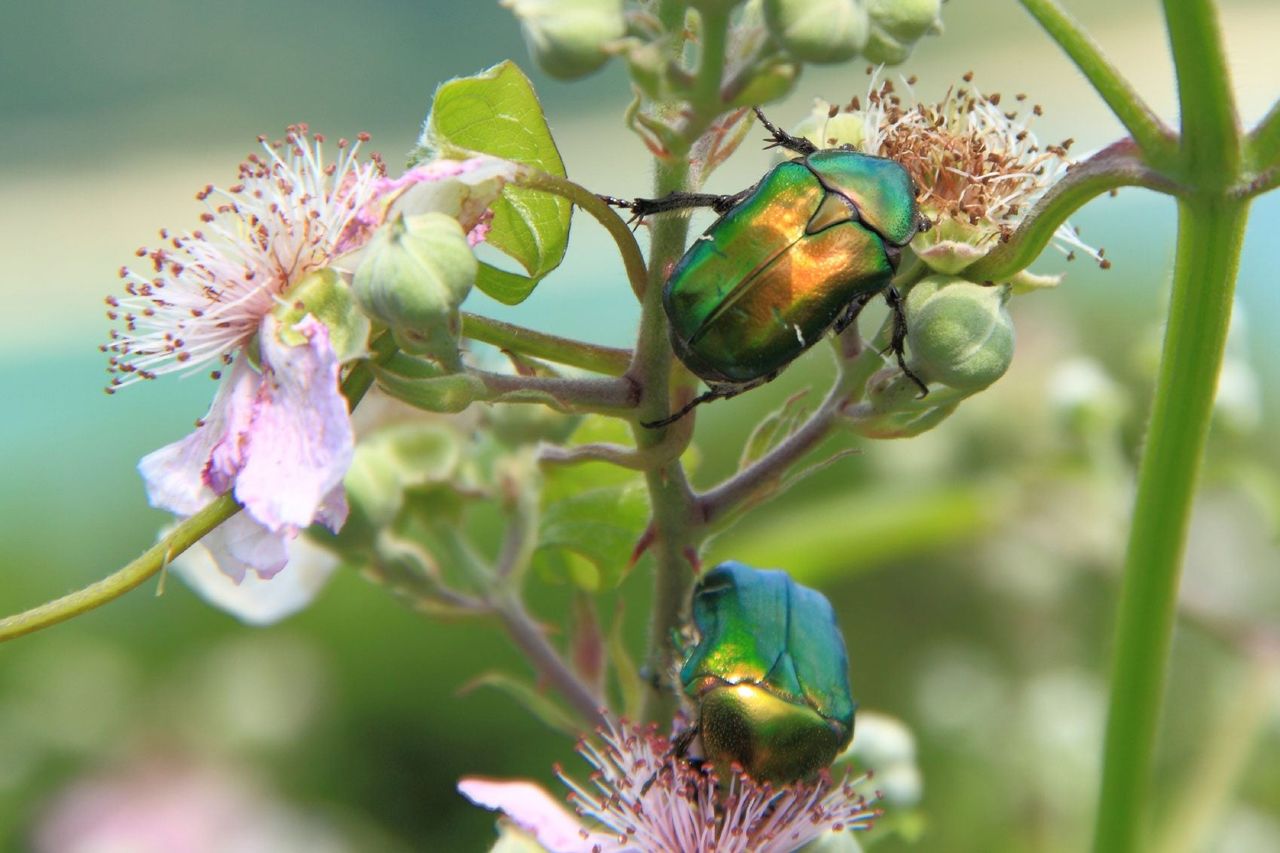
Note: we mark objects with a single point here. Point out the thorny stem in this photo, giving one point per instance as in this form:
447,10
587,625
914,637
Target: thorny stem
1153,136
599,359
185,534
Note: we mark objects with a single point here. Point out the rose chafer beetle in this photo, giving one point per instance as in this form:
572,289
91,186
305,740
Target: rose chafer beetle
790,258
766,674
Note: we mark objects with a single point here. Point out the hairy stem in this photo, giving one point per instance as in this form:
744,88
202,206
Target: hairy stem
1210,129
1152,135
606,360
1210,232
532,640
632,259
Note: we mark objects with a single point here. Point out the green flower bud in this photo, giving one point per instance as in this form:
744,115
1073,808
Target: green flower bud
416,271
326,296
568,38
884,49
961,335
818,30
906,20
772,83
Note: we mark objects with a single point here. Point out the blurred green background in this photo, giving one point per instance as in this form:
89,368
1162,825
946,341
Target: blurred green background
971,567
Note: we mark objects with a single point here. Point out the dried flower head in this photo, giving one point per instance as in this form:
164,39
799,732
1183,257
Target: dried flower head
977,164
204,294
643,797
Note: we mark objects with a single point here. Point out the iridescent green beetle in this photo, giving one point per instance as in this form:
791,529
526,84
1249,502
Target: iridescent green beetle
790,258
767,675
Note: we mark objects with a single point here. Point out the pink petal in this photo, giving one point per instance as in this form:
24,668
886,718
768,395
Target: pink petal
177,476
253,600
533,810
241,545
300,443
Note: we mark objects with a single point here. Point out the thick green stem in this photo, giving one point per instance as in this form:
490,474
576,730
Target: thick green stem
1155,139
1210,129
606,360
1210,232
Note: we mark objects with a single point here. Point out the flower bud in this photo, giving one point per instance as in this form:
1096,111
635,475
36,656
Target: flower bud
326,296
515,425
818,30
906,20
960,333
415,272
567,38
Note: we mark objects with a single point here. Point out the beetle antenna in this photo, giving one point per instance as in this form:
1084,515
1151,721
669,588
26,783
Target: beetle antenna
782,139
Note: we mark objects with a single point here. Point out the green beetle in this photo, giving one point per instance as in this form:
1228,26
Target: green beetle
767,675
790,258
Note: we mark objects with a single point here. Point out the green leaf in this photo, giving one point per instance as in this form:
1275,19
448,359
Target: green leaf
497,112
601,525
773,428
536,703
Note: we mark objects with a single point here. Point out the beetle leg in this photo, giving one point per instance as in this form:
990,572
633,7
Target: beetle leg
851,313
705,396
782,139
642,207
899,339
679,749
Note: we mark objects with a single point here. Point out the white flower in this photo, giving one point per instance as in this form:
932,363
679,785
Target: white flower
205,294
978,167
643,798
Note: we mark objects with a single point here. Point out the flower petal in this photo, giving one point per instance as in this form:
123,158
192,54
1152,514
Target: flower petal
179,477
463,189
241,545
300,443
253,599
533,810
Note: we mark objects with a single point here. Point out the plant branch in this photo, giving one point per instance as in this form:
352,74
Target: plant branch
546,659
606,360
1117,165
151,561
1210,233
1210,127
632,259
1264,140
1153,136
587,393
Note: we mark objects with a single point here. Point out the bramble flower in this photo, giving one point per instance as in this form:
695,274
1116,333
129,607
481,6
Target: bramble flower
978,167
642,797
203,296
263,289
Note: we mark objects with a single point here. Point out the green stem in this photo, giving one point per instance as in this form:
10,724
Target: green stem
1264,140
1117,165
1152,135
669,493
151,561
1210,233
187,532
1210,129
632,259
606,360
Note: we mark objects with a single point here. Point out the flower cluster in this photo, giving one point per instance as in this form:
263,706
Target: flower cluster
644,797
